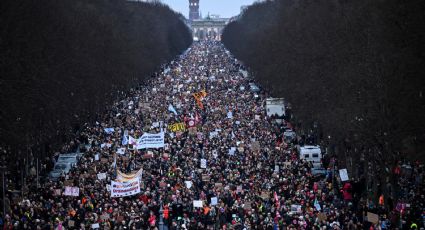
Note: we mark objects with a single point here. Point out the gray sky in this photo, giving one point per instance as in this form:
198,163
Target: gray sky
224,8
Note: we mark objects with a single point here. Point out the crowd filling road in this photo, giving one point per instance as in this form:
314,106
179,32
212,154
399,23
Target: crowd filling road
228,166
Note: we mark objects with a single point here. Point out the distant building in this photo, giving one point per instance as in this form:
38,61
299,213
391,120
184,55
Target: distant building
193,10
210,27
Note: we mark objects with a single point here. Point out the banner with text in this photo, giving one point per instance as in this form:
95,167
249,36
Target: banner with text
149,140
122,189
177,127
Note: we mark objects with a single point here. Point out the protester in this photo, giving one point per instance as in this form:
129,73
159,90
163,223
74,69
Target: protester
229,166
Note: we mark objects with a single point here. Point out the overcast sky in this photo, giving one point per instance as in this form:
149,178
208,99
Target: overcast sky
224,8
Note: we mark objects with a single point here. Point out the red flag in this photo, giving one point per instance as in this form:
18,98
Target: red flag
276,199
197,118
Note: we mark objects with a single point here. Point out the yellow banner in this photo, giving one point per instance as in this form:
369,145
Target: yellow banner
177,127
122,177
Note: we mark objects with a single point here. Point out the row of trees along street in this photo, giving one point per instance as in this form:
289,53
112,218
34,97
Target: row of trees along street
353,72
61,62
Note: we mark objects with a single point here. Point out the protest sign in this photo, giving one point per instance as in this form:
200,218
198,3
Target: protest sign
197,204
214,200
101,176
295,208
203,163
229,115
205,177
343,174
121,151
149,140
177,127
104,216
218,185
188,184
372,217
71,191
95,226
213,134
232,151
122,177
57,192
68,182
71,223
128,188
265,195
104,160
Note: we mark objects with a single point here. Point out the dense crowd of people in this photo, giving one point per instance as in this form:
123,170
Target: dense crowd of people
253,177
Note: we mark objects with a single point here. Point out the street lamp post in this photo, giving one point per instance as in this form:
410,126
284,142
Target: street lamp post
161,218
3,168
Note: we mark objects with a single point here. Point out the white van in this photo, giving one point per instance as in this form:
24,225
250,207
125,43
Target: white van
275,106
311,153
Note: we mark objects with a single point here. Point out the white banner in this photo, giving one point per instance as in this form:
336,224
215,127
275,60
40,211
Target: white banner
129,188
149,140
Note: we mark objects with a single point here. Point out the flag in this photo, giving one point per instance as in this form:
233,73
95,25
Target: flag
191,123
317,205
172,109
109,130
276,199
197,118
124,140
132,140
114,164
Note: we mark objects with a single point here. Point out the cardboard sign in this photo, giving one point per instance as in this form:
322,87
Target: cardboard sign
71,223
104,160
372,217
218,185
205,177
265,195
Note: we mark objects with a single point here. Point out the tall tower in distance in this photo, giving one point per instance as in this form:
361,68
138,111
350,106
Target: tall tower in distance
193,10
